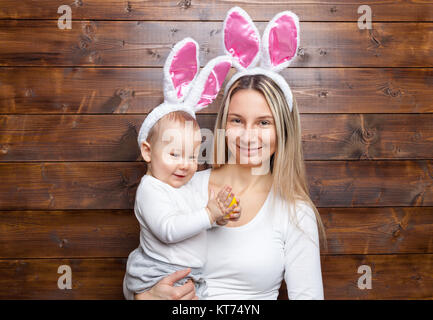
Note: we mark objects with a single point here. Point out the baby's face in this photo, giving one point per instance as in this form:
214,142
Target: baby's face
175,153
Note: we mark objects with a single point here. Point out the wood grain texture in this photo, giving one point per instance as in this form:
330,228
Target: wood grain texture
114,137
72,102
40,90
115,233
308,10
76,137
112,185
393,277
146,44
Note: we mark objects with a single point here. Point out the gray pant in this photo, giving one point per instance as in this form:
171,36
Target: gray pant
143,272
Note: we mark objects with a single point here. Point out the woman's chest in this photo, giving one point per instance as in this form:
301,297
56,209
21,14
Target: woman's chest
252,259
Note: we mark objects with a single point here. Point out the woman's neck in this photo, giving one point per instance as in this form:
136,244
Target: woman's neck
241,179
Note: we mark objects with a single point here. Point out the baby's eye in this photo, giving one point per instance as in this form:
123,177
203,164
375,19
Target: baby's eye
173,154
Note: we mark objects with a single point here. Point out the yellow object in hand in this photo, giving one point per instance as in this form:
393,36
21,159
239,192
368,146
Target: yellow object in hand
227,216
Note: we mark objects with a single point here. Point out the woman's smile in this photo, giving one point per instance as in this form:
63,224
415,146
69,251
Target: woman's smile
248,151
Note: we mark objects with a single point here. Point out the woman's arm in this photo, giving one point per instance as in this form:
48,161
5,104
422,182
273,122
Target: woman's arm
303,275
164,289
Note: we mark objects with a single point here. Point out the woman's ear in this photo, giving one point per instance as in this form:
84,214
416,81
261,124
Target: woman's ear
146,151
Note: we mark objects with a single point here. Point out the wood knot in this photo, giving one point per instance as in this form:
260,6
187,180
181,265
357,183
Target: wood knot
125,94
4,148
396,233
153,53
368,135
416,277
84,43
63,243
89,29
184,4
322,52
390,92
333,9
29,92
416,136
323,94
301,51
128,7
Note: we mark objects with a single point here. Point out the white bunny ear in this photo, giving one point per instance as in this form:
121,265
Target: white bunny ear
241,39
180,69
280,41
208,83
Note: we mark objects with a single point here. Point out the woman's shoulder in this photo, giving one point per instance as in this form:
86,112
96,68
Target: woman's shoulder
290,216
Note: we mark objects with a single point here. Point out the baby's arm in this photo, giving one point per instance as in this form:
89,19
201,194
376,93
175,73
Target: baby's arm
170,224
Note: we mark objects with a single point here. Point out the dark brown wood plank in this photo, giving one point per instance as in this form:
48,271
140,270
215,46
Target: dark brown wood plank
394,277
114,137
128,43
68,234
42,90
402,276
75,137
378,230
308,10
115,233
112,185
70,185
370,183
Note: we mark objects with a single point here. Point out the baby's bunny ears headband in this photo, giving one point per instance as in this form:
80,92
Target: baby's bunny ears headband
275,51
184,88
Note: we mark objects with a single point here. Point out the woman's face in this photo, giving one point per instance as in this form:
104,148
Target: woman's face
250,130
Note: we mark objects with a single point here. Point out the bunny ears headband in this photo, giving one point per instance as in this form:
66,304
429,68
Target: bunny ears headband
275,51
184,88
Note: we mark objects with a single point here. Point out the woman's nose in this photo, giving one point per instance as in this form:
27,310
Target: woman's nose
249,137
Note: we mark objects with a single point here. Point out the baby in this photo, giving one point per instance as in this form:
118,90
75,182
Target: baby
172,223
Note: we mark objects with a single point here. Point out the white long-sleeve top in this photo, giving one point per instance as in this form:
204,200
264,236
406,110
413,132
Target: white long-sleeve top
250,261
172,222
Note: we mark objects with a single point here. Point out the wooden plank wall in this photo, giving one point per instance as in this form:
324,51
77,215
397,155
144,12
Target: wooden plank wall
72,101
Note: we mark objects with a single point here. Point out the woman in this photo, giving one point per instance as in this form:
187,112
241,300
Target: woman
277,234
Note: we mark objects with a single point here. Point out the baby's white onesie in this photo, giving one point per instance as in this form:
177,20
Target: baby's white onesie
173,224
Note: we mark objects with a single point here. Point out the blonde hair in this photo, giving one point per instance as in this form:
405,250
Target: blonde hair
287,163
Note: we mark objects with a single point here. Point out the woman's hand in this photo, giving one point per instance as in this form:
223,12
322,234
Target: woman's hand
165,290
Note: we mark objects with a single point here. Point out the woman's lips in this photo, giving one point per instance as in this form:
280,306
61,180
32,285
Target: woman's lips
248,150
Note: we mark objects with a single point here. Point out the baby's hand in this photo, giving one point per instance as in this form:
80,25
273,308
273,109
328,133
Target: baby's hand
233,216
219,206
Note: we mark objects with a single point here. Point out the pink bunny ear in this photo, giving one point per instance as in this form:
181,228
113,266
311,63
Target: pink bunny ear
280,41
180,69
209,82
241,38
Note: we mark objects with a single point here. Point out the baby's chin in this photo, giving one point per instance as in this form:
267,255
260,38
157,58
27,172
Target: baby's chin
177,182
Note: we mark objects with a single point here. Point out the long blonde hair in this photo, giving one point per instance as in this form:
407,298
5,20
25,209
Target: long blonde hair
287,163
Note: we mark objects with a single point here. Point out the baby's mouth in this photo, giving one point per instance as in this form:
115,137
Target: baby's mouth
179,176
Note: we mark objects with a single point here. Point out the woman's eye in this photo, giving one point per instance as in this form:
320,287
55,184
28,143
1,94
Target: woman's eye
264,122
236,120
